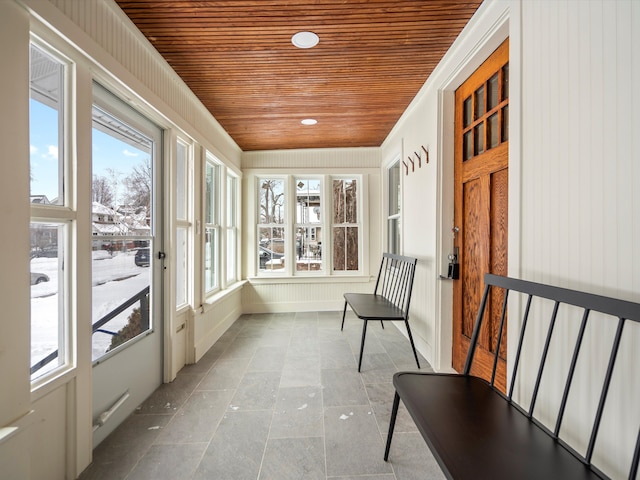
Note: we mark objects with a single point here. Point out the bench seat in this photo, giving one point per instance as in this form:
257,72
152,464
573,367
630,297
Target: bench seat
373,307
477,431
476,434
390,299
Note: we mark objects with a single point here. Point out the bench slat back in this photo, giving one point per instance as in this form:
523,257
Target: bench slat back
395,280
617,310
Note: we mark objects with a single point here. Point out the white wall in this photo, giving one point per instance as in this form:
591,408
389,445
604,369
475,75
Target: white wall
427,192
574,210
580,183
14,296
55,440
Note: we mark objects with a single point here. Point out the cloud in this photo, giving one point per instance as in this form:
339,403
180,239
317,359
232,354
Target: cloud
52,153
127,153
33,149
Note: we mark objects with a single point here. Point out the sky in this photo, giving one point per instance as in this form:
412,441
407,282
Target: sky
108,153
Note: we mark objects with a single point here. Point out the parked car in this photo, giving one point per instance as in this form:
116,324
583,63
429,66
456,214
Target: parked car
266,255
37,278
143,256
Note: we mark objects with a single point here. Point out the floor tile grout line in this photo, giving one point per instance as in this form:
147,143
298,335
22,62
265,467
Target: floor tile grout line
266,442
213,433
307,324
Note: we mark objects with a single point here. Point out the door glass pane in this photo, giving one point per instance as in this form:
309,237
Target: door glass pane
121,279
505,82
467,145
122,243
505,123
47,298
479,102
493,131
492,92
46,128
467,112
478,135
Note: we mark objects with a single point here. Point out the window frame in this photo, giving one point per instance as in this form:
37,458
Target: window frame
289,225
312,226
62,214
231,227
287,209
215,226
184,223
394,190
360,215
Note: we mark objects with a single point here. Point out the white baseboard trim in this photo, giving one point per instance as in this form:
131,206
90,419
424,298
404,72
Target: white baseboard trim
284,307
202,345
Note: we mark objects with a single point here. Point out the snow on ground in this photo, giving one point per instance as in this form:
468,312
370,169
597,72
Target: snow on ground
115,279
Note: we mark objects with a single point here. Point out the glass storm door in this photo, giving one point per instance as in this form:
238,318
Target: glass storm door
126,266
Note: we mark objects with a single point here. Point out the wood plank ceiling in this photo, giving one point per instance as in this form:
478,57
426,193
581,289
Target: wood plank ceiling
238,58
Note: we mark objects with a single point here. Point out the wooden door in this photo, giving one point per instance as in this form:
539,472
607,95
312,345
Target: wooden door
480,211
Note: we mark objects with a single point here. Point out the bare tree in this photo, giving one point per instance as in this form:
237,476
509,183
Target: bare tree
270,201
139,184
114,183
101,191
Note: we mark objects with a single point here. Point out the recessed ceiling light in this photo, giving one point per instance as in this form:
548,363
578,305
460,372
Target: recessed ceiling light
305,39
309,121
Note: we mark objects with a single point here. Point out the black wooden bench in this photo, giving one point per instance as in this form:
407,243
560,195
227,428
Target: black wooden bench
390,299
475,431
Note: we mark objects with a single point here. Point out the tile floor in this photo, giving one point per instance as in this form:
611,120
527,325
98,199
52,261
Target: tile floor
277,397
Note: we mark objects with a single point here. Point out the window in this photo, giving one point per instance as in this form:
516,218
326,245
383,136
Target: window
271,224
393,214
52,219
345,225
122,222
183,223
211,224
319,201
232,229
485,115
308,225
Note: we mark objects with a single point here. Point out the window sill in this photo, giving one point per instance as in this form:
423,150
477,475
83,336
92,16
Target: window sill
310,279
46,384
221,294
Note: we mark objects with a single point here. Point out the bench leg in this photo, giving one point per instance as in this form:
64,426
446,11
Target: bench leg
392,424
364,333
415,354
343,315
